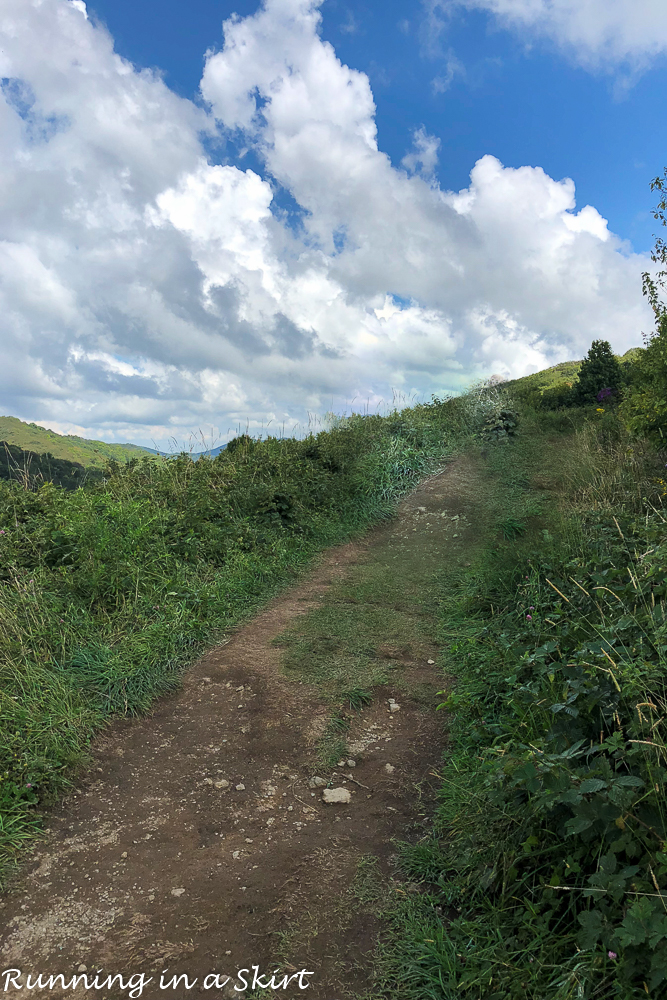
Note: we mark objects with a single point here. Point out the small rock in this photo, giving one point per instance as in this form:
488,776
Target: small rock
177,892
123,855
221,784
389,768
336,796
208,781
351,763
317,782
206,680
151,899
431,662
240,787
82,968
394,707
248,840
236,854
341,763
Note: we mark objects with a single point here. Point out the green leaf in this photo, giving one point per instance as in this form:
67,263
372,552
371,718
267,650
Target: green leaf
592,785
634,930
628,781
577,825
591,929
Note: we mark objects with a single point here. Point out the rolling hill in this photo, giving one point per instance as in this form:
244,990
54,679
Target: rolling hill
40,441
565,373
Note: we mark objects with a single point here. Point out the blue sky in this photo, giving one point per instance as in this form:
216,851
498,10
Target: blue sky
211,221
527,104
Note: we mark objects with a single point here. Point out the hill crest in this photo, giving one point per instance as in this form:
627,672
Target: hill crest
69,447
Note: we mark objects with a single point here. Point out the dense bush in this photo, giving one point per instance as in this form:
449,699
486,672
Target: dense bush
500,426
645,406
600,375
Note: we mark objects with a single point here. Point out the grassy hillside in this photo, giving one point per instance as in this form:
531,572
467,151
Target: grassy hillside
41,441
563,374
32,471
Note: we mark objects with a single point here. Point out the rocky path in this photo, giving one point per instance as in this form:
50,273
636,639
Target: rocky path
201,841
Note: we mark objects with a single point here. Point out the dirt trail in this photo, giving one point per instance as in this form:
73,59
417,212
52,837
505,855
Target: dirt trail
196,843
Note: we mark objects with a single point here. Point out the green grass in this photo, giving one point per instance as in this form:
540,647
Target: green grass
545,873
358,698
336,645
332,746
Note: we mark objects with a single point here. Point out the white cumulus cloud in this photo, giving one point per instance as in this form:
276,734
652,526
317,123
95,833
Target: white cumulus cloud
597,32
146,290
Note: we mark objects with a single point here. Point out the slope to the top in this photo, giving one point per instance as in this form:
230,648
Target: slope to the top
31,437
565,373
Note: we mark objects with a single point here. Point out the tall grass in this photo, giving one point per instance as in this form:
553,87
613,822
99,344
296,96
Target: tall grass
545,875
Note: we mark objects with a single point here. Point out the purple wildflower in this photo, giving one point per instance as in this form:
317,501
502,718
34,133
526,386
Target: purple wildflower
612,954
604,394
529,617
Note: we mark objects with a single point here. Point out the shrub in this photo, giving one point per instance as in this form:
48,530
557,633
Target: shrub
644,409
500,426
599,370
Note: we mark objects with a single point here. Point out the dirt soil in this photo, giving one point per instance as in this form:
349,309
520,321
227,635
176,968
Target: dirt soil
197,843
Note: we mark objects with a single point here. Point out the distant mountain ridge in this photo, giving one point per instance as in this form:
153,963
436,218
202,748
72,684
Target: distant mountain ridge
68,447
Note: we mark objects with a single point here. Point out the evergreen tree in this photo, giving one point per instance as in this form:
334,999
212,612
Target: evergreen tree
599,370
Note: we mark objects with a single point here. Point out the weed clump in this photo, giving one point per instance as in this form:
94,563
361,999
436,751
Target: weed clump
500,426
